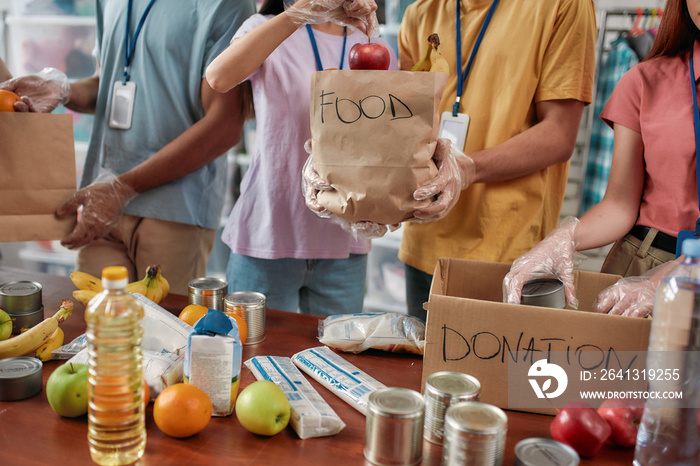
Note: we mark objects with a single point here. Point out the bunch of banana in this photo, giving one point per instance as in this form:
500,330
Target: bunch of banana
35,337
433,59
154,286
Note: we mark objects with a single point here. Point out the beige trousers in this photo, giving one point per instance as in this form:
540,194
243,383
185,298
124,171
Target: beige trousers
631,257
180,249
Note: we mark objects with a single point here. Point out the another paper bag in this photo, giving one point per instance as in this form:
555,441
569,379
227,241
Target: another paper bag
373,137
37,156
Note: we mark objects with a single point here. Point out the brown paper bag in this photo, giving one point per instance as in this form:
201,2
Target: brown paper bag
37,155
373,137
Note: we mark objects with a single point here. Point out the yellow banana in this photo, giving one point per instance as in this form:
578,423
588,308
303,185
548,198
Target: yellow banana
439,64
85,281
84,296
424,64
34,337
154,286
55,341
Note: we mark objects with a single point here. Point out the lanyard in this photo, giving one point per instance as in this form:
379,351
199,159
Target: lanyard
319,65
696,126
129,47
462,77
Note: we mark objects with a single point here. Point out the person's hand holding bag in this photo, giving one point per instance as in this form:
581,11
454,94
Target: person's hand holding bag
102,203
456,171
553,256
42,92
356,14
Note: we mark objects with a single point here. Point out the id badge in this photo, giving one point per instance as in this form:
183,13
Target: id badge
454,128
123,96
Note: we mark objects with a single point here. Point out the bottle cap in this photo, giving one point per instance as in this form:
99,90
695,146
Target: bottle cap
115,276
691,247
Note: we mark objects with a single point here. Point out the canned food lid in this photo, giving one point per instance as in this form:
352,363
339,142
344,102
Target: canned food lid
541,287
452,383
20,296
396,401
245,298
544,452
20,378
207,285
476,417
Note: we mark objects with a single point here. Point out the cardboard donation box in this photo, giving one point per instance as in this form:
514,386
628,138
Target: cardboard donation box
530,358
37,175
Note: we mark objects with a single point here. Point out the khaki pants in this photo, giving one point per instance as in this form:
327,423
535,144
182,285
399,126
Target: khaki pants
181,250
631,257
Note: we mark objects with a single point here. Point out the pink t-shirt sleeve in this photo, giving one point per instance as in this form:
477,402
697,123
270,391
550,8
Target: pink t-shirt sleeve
623,106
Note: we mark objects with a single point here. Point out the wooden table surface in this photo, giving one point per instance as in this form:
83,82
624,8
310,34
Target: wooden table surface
31,433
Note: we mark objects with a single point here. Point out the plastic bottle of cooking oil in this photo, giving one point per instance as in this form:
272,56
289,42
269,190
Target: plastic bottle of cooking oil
116,422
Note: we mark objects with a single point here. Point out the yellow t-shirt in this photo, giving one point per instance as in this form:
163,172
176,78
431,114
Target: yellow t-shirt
532,51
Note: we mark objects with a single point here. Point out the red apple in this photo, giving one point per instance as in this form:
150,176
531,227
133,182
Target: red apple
369,56
623,416
581,427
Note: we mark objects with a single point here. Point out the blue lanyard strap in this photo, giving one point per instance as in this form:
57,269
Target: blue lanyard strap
696,126
319,65
462,76
129,47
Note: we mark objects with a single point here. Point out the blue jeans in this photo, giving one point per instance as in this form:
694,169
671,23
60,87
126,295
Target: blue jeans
417,291
320,287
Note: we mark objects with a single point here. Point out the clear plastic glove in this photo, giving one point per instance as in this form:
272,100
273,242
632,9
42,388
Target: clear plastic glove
553,256
633,296
456,171
42,92
365,230
102,203
356,14
312,184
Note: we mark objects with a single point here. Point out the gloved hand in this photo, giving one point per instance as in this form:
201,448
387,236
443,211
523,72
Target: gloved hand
456,171
356,14
42,92
102,203
633,296
553,256
312,184
366,230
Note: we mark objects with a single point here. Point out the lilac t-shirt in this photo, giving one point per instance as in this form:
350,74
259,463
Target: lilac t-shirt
655,99
270,219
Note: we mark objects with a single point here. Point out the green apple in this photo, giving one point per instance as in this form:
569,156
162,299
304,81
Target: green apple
67,389
5,325
262,408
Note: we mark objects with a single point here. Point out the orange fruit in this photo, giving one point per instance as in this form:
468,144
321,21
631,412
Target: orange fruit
146,393
182,410
242,326
7,101
192,313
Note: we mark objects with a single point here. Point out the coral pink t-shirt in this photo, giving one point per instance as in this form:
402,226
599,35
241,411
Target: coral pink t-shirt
655,98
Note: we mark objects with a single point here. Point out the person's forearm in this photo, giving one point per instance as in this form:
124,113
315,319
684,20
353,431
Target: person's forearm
604,223
83,95
219,130
248,52
4,72
548,142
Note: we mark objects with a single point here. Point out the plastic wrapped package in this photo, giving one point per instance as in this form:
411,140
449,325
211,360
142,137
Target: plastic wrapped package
385,331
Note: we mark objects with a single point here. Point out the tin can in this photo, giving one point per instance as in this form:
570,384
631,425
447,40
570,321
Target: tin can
22,301
544,452
475,434
208,291
251,306
394,427
20,378
544,292
443,389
